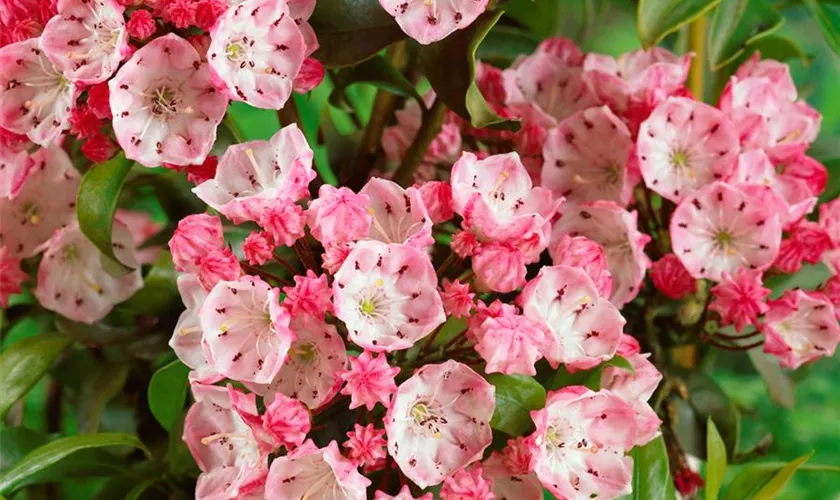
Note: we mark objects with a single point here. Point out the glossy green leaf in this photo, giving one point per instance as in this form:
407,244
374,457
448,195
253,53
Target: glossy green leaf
715,461
159,292
351,31
55,451
736,24
96,204
376,71
651,476
24,363
776,47
657,18
590,378
17,443
828,19
450,68
505,43
100,385
516,397
168,392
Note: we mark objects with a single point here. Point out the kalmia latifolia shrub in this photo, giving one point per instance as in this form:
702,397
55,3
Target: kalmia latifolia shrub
313,249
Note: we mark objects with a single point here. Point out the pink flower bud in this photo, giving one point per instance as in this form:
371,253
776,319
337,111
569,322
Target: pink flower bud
670,277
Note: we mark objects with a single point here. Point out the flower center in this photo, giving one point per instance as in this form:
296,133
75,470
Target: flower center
305,352
423,415
31,213
165,101
367,306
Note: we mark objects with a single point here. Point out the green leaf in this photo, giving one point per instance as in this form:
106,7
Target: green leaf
167,393
715,461
52,453
828,19
378,72
735,25
657,18
24,363
590,378
350,31
753,477
779,384
778,48
17,442
99,386
780,479
159,292
96,204
707,400
450,68
516,396
505,43
832,189
651,478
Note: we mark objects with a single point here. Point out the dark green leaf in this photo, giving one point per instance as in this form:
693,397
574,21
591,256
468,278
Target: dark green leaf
590,378
17,442
167,393
715,461
707,400
24,363
651,478
96,204
54,452
516,396
350,31
832,189
100,385
542,18
450,67
159,292
735,25
828,19
776,47
504,44
657,18
378,72
780,386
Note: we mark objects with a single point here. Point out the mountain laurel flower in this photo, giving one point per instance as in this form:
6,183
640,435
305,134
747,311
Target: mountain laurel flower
439,422
433,20
208,11
72,281
258,248
467,484
141,25
579,251
87,40
499,267
510,344
255,174
464,243
366,445
255,53
84,123
777,72
11,276
397,139
399,215
800,327
218,265
246,331
165,108
739,298
720,228
369,380
437,196
284,221
809,170
338,215
403,494
286,420
35,98
187,339
511,472
99,148
387,296
670,277
580,443
457,298
311,295
99,100
334,256
583,329
195,236
311,75
311,371
829,219
311,472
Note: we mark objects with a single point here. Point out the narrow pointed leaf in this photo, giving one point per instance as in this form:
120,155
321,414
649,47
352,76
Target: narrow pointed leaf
715,461
657,18
24,363
737,24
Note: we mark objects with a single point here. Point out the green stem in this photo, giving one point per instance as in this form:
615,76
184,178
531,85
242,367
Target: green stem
432,121
234,129
697,44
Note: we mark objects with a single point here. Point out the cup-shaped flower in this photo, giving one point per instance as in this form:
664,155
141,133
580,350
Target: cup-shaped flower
429,21
195,237
800,327
739,298
339,216
187,338
580,251
399,215
312,472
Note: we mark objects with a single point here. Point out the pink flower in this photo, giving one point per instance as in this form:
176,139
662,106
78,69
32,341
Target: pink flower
670,277
399,215
499,267
720,228
11,276
218,265
404,494
246,332
99,148
311,75
777,72
396,139
14,168
370,380
98,100
208,11
439,421
334,256
35,98
84,122
141,25
195,237
616,230
685,145
87,40
366,445
181,13
186,340
830,220
585,157
43,203
806,242
739,298
467,484
636,387
258,248
311,371
284,221
457,298
511,472
256,50
72,281
311,472
800,327
311,295
286,420
255,175
165,108
580,444
437,196
387,296
464,244
579,251
433,21
510,344
831,290
582,328
809,170
339,215
142,227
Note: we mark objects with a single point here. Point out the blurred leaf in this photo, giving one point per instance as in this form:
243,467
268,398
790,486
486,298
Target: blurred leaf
350,31
167,393
715,461
707,400
807,278
781,388
775,47
590,378
780,479
96,334
54,452
96,204
737,24
159,292
832,189
504,44
516,396
24,363
753,477
541,17
657,18
180,460
17,442
99,386
651,478
828,19
376,71
450,68
172,189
